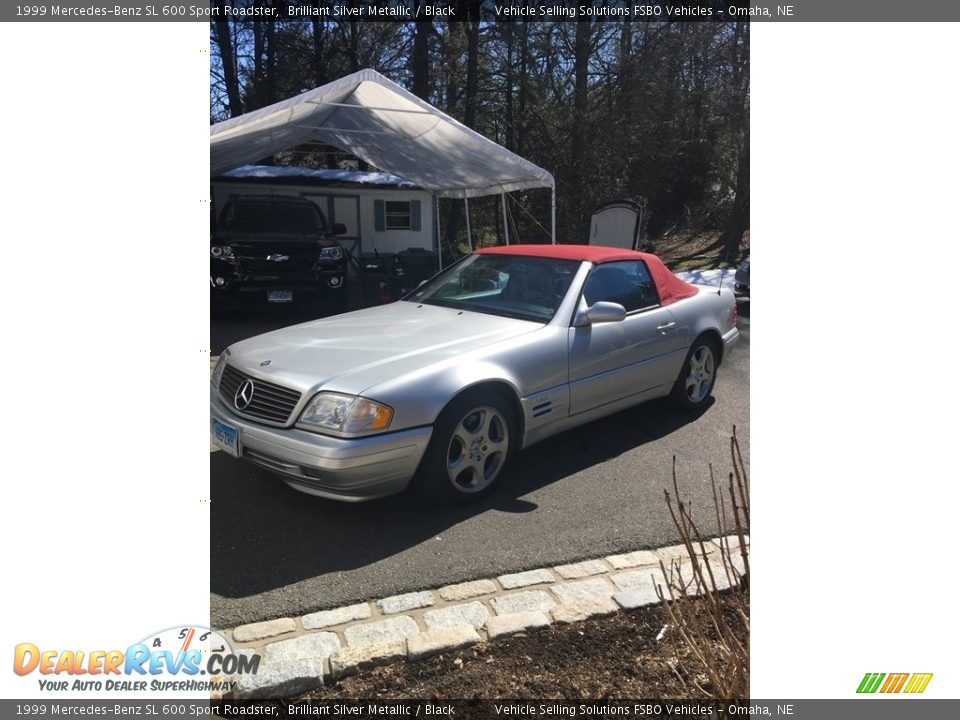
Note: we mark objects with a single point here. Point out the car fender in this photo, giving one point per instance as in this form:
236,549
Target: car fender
527,367
707,312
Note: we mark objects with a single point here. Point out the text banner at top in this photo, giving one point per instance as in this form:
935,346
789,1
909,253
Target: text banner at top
485,10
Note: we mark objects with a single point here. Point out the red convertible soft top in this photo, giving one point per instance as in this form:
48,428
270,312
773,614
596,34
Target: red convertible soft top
669,286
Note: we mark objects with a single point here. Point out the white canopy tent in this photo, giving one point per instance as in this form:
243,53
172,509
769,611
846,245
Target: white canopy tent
379,122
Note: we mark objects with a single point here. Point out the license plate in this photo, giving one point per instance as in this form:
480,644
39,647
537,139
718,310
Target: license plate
280,296
225,437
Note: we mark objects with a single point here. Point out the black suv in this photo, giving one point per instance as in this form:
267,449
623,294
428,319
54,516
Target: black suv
277,249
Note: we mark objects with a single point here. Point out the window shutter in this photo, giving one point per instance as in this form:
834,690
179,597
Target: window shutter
415,215
379,216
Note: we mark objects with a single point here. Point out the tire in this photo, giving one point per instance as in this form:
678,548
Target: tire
473,442
698,375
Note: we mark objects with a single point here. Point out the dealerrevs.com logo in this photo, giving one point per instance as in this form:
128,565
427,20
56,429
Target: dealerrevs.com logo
182,659
911,683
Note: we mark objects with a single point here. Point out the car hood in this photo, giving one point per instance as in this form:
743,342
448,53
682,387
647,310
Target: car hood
357,350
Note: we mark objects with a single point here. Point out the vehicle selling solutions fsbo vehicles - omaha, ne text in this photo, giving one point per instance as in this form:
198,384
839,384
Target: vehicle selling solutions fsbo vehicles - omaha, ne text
506,347
277,249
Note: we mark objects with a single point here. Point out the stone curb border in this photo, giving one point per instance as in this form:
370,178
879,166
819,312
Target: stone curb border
302,653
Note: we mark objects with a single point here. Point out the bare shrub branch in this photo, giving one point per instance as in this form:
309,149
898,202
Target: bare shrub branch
709,608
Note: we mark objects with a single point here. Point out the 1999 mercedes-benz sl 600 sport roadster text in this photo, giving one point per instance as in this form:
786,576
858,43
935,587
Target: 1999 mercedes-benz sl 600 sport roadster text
502,349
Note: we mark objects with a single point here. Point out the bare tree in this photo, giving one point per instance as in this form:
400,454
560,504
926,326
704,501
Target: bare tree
472,30
739,218
581,68
227,60
647,109
421,58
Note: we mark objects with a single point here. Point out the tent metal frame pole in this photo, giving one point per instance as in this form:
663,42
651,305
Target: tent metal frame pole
553,214
436,231
370,107
466,205
503,207
324,128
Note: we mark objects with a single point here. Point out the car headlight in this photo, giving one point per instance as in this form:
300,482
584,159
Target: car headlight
221,251
334,252
218,370
346,414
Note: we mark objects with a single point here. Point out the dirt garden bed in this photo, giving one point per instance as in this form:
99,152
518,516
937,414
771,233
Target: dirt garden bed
613,657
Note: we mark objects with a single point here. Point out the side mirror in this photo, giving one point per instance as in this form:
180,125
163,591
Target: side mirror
339,229
601,312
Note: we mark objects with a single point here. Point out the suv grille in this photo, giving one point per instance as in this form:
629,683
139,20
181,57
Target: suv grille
298,260
270,402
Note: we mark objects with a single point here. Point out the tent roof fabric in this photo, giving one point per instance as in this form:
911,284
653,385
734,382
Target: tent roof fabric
669,286
384,125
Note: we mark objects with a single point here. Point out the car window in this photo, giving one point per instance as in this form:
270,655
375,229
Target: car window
626,283
283,218
528,288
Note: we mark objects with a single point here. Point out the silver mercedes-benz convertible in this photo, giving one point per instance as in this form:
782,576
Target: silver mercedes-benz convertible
506,347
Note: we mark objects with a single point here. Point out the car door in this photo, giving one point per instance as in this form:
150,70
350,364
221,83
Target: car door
637,356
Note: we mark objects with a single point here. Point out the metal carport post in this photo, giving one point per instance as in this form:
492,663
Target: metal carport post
503,207
553,213
436,230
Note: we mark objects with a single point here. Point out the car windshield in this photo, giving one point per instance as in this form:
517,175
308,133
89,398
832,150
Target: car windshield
515,286
278,218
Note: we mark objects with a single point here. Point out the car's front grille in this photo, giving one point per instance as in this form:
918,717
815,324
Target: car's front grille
295,261
267,402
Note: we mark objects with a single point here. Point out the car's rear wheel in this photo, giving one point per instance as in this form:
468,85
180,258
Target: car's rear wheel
697,377
472,443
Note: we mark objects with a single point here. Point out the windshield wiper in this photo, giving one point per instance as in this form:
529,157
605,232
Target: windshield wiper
453,305
519,316
485,309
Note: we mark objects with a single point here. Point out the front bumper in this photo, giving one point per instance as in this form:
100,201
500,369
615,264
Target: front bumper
230,279
353,470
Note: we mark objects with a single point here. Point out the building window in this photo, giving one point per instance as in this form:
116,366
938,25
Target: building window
398,215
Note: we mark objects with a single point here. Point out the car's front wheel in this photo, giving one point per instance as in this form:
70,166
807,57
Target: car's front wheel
473,440
697,377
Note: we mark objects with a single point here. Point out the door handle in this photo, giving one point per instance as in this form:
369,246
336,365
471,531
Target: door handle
668,327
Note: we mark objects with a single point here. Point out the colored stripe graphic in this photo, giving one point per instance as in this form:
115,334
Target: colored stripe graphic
895,682
903,679
870,683
918,682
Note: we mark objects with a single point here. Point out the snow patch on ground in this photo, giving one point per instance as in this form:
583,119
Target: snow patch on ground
352,176
708,277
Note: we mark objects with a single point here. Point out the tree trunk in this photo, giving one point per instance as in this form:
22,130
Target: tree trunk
581,60
319,37
271,89
524,53
259,49
472,27
739,220
354,47
228,62
421,59
626,80
508,88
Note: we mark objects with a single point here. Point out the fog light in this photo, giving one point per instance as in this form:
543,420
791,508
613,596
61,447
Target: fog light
335,281
220,282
